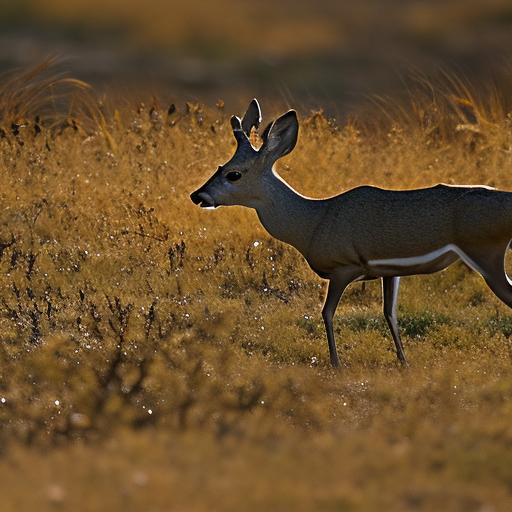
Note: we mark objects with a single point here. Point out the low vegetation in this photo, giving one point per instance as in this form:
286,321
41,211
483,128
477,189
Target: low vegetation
154,356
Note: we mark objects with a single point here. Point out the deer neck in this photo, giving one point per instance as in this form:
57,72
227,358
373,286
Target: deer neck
286,214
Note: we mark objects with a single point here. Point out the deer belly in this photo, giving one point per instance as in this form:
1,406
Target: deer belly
426,263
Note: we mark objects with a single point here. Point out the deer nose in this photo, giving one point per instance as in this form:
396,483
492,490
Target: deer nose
195,197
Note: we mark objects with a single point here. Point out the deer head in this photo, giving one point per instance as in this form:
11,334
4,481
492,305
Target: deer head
240,180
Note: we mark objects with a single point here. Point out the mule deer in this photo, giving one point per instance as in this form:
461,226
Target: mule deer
367,232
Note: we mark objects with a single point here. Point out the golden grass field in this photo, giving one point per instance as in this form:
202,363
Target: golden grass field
325,53
271,28
154,356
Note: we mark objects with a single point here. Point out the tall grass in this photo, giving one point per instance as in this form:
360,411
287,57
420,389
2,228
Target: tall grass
156,355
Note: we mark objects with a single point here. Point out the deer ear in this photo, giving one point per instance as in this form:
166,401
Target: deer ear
252,117
236,125
282,136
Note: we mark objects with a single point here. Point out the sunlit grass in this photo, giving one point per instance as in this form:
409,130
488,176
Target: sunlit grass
156,355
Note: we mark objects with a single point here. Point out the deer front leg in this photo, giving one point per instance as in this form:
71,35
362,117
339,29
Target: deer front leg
390,295
337,285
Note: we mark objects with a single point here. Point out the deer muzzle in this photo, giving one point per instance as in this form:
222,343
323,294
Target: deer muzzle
203,199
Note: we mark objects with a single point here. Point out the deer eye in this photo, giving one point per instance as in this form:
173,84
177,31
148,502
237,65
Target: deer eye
233,175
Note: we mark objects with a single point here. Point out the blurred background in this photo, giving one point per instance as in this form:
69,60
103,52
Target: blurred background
305,53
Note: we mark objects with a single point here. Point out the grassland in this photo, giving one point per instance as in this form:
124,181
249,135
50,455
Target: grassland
271,29
154,356
324,53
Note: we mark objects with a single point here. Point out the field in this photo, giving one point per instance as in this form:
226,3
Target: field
235,50
154,356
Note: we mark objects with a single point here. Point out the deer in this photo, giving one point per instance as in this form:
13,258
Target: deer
368,232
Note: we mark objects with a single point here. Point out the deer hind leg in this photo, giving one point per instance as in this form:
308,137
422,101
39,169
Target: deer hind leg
490,265
390,287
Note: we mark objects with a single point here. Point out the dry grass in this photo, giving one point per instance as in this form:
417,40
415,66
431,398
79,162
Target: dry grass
154,357
271,29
